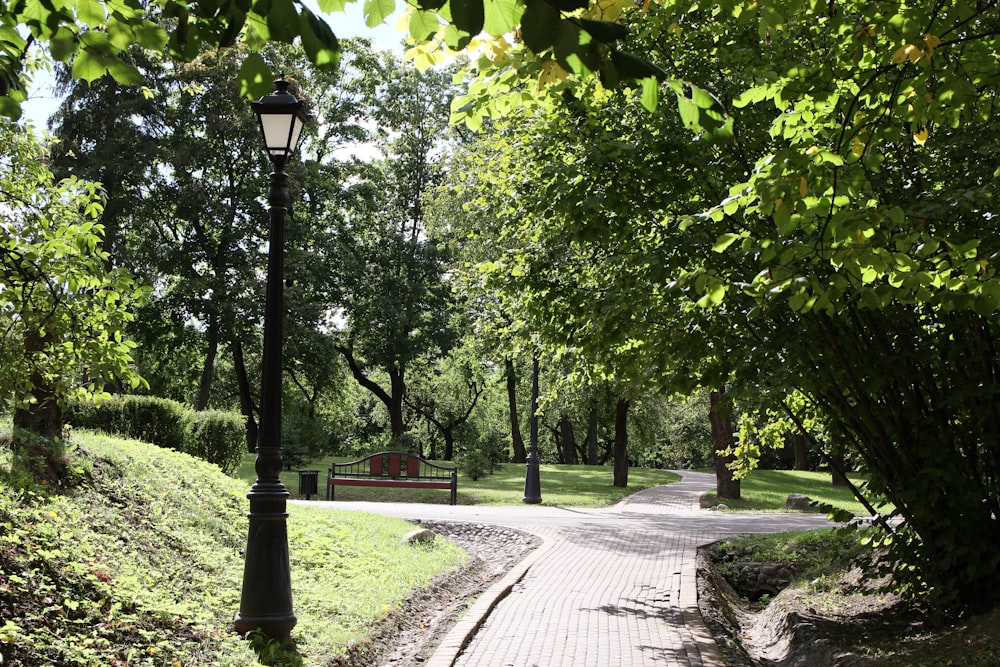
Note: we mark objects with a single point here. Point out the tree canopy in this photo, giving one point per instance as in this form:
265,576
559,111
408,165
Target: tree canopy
817,216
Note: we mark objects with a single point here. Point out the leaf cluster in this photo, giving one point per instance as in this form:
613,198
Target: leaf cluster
62,310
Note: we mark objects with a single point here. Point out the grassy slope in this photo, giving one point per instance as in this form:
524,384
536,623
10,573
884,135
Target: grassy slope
562,485
140,564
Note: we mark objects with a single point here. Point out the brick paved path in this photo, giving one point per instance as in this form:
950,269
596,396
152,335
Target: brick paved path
612,587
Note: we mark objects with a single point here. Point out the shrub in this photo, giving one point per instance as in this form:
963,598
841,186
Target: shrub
157,420
475,464
218,437
214,436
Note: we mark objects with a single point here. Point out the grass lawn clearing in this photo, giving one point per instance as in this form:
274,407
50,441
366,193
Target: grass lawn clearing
562,485
767,490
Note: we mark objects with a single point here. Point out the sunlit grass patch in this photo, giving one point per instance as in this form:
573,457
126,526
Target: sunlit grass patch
767,490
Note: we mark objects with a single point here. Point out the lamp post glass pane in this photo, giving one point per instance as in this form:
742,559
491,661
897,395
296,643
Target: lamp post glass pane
281,132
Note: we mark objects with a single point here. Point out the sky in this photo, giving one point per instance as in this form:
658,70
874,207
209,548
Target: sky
42,102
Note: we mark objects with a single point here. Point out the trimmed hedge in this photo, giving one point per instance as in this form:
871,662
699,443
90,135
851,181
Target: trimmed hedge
215,436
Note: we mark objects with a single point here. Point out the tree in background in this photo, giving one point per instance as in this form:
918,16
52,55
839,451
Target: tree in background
63,311
391,297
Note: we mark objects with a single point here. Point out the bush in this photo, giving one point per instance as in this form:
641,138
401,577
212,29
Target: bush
475,464
214,436
156,420
218,437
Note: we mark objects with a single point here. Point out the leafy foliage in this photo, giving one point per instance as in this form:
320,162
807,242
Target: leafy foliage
94,36
62,310
820,224
211,435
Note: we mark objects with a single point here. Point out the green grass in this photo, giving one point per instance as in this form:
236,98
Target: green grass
767,490
562,485
139,562
809,553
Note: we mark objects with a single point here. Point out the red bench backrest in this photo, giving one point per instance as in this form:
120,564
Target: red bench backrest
412,466
376,465
394,465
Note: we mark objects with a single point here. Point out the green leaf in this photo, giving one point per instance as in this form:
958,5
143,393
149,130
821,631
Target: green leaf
331,6
63,45
567,46
724,241
9,108
423,25
752,96
604,31
500,16
431,5
283,21
468,15
713,297
538,25
89,65
318,41
151,36
633,67
125,73
254,78
377,11
90,13
650,93
234,26
456,39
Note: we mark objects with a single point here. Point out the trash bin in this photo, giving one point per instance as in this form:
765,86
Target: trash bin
308,482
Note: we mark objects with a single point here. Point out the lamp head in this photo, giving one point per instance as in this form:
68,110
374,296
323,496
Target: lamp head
281,118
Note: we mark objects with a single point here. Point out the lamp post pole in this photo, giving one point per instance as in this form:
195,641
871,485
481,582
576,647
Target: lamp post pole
532,484
266,599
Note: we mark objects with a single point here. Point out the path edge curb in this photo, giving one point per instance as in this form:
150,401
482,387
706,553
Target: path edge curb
458,638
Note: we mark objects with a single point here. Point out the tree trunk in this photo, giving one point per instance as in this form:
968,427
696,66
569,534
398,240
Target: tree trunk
44,415
592,434
520,454
246,396
726,486
208,370
621,444
799,445
568,438
397,384
838,466
449,443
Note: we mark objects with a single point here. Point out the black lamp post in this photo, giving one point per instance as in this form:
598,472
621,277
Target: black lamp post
532,484
266,600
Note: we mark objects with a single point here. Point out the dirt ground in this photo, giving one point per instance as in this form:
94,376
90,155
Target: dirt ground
839,625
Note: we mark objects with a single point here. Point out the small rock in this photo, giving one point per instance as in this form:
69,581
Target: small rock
419,536
799,501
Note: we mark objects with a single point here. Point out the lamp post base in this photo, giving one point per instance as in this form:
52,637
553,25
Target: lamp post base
532,483
266,602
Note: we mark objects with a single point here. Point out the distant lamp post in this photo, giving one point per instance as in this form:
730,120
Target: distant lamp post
266,600
532,483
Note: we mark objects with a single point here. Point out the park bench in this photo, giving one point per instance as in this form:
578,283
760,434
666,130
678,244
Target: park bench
394,470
